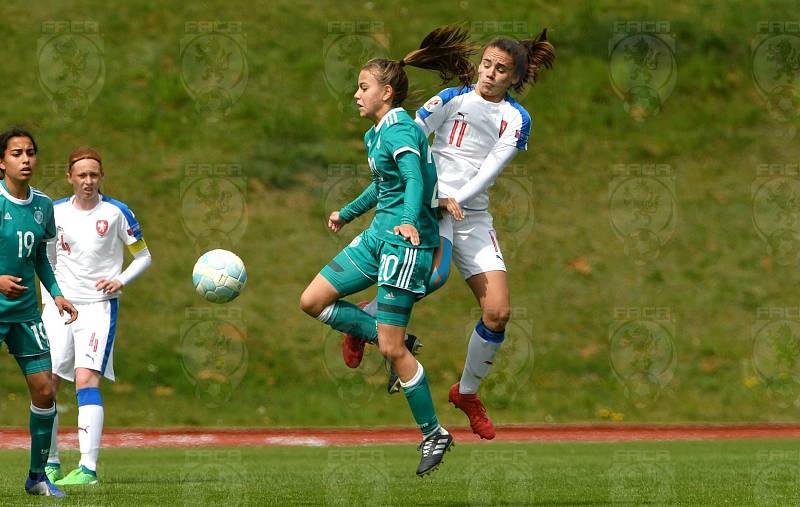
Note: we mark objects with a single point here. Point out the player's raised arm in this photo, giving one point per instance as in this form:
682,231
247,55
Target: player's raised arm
494,163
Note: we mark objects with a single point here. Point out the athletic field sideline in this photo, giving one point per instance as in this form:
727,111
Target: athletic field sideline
17,438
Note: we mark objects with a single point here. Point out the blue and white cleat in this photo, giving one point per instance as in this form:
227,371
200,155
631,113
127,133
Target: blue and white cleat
42,486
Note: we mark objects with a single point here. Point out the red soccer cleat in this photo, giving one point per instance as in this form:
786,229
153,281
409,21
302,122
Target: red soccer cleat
353,347
471,405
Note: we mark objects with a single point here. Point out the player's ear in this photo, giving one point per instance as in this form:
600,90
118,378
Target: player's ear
387,93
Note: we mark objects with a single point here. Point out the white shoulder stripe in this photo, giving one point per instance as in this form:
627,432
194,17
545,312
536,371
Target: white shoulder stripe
401,149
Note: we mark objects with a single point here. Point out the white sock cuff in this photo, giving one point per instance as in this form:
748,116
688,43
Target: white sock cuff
43,411
325,314
415,379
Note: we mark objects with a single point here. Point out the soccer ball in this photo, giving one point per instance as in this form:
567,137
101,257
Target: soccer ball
219,276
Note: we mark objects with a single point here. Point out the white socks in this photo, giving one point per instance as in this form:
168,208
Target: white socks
90,425
90,428
483,346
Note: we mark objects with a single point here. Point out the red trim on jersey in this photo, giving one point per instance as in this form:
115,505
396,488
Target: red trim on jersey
461,134
453,132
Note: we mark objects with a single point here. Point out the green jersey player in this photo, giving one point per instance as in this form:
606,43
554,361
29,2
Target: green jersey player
26,222
396,251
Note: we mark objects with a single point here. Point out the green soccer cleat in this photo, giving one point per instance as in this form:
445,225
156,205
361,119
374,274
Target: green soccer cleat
53,471
80,475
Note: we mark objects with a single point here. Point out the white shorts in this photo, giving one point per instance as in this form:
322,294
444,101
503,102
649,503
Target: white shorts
475,246
86,343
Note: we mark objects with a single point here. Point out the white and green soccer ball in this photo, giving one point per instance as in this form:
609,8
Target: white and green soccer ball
219,276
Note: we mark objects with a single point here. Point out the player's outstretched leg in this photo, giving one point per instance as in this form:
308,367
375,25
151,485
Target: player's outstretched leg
321,300
353,347
481,351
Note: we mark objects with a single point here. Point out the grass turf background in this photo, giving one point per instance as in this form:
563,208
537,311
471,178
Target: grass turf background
747,472
297,139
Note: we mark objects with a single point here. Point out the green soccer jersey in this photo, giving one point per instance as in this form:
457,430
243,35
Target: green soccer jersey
403,181
25,226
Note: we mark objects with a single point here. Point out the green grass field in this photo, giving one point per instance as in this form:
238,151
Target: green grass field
746,472
291,143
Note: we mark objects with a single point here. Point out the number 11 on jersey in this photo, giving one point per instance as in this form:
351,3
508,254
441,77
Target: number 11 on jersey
460,132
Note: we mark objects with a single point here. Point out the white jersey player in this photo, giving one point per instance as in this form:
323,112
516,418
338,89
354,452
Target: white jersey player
92,232
477,132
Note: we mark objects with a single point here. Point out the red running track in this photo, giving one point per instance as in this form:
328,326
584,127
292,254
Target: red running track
17,438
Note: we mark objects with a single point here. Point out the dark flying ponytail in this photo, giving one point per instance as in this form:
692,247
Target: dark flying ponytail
446,50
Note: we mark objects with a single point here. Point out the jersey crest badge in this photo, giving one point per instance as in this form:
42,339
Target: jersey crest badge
432,103
8,216
102,227
38,216
503,125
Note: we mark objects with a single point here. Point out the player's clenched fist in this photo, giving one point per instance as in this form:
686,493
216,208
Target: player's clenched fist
10,287
335,222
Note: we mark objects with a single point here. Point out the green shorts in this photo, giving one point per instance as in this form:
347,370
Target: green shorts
27,342
396,269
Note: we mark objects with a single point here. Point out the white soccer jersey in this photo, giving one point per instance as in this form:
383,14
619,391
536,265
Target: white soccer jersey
467,128
90,246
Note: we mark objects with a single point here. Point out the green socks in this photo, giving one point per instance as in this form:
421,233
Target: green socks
418,394
348,318
41,428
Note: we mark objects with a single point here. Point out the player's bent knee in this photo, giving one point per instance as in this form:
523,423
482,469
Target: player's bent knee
310,304
496,318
